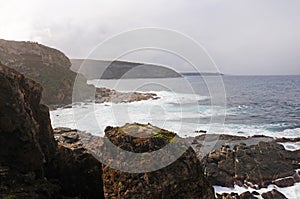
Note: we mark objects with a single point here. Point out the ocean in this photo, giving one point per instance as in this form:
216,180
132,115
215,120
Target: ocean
236,105
242,105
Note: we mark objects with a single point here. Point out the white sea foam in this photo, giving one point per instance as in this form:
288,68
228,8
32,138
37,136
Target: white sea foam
177,112
292,192
290,146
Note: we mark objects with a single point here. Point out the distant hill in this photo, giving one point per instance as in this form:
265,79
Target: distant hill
92,69
200,74
47,66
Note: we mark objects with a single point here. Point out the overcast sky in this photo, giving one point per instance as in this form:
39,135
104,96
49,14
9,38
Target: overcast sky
242,36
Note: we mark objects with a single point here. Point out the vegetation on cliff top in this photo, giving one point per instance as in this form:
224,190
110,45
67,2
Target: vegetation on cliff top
99,69
45,65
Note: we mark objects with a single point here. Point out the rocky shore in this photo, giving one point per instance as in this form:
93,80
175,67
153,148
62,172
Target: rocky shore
273,194
249,162
182,179
109,95
37,162
104,95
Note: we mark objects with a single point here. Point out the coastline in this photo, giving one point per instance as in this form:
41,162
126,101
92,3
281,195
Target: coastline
289,143
282,183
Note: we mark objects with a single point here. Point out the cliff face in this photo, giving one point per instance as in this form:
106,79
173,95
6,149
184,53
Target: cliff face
32,165
47,66
26,139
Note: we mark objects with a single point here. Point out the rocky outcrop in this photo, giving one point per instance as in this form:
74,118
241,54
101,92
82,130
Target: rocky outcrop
47,66
255,166
31,163
80,174
108,95
183,178
26,140
273,194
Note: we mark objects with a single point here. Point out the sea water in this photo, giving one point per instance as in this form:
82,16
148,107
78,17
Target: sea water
253,105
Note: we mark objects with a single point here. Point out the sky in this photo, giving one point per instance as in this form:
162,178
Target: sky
243,37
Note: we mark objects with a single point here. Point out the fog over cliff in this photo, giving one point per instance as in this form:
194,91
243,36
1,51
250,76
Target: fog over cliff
243,37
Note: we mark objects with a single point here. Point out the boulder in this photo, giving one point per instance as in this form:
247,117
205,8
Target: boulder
273,194
247,195
232,195
284,182
183,178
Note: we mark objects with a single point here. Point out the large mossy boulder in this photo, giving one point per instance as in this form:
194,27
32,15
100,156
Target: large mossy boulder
184,178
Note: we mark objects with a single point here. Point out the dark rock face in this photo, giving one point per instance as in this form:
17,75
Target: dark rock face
274,194
80,174
183,178
260,164
47,66
245,195
31,164
284,182
26,136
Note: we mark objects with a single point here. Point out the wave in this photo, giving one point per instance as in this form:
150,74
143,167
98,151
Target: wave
178,112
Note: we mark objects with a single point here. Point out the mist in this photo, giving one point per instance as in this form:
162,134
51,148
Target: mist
250,37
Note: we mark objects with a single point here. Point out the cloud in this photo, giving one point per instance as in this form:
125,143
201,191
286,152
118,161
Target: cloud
243,37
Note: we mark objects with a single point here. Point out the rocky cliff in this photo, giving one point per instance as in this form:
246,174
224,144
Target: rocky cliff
32,165
47,66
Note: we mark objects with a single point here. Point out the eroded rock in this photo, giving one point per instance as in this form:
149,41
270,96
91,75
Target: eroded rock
255,166
32,165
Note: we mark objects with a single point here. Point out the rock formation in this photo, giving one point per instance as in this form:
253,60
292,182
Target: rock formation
273,194
108,95
255,166
31,163
182,179
47,66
